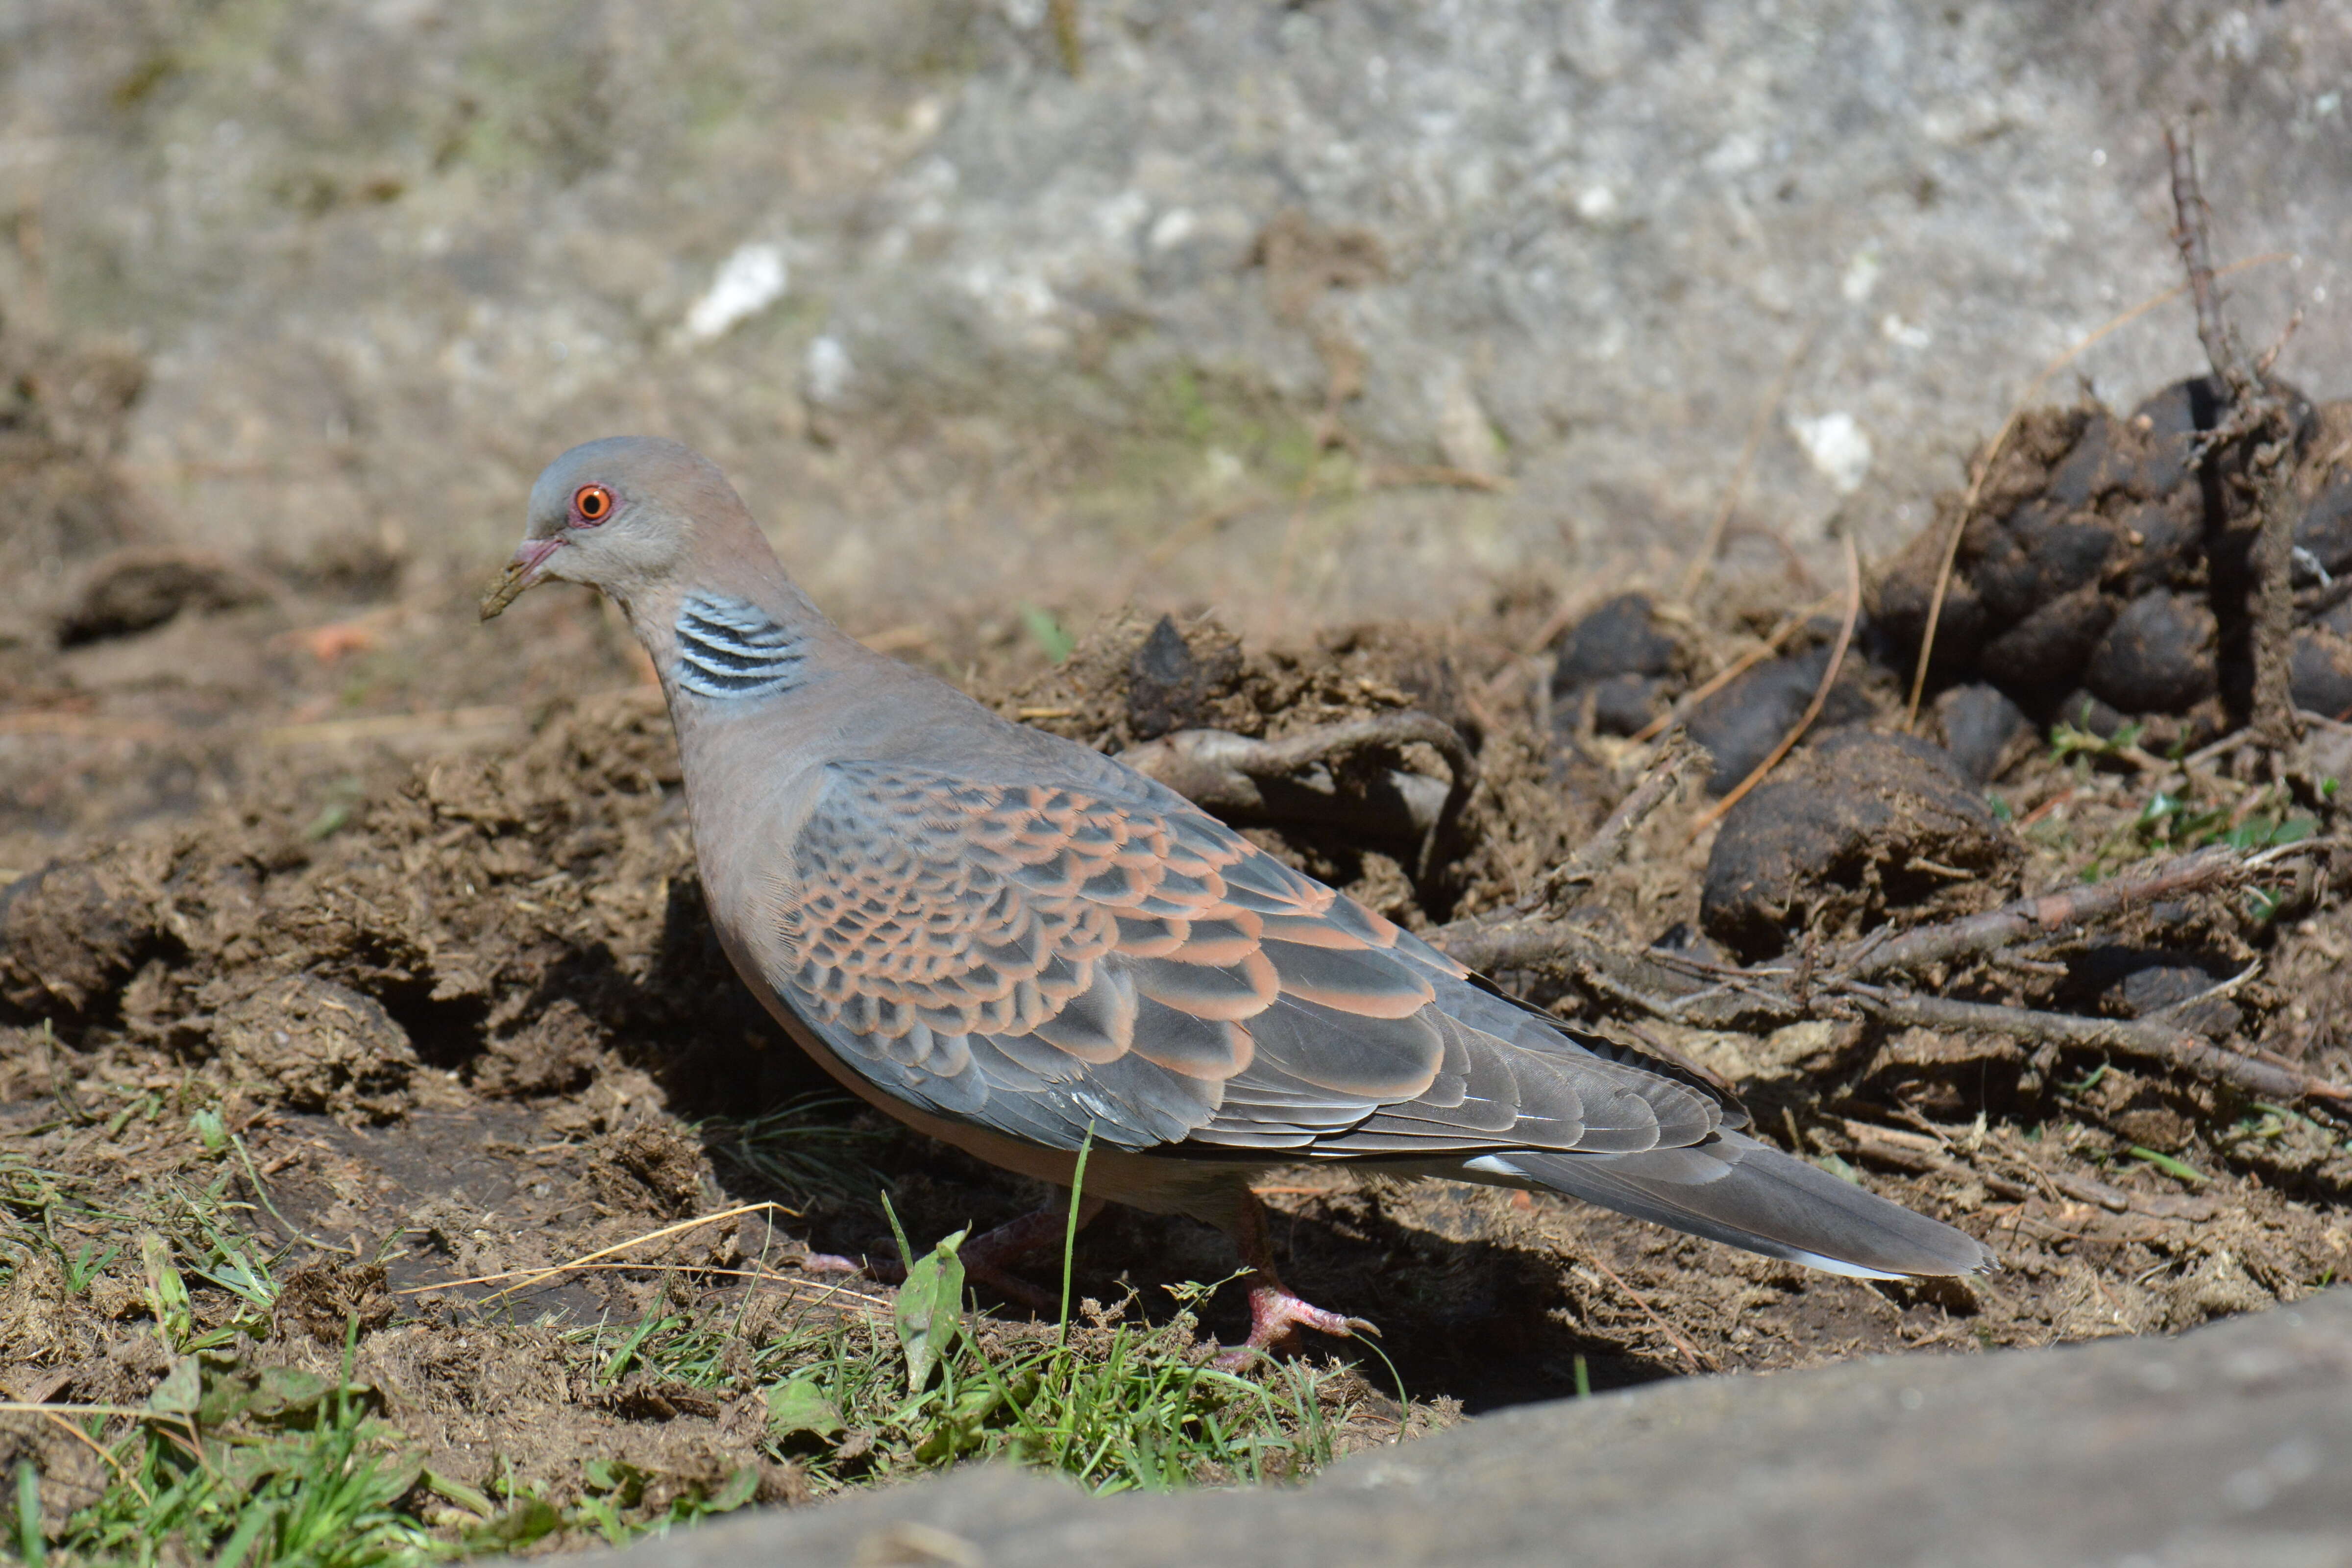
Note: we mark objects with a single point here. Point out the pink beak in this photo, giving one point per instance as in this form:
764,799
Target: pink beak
523,571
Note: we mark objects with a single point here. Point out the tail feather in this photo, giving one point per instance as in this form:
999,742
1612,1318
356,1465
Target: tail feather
1734,1190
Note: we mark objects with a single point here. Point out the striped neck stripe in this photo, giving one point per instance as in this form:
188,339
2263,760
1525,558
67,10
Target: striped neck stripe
730,649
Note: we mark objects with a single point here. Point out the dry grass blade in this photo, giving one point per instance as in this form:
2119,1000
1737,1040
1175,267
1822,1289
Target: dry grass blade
95,1446
1698,1358
757,1275
1812,710
1790,626
528,1276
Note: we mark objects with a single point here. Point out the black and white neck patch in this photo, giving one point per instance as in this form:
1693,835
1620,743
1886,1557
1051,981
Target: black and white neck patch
727,648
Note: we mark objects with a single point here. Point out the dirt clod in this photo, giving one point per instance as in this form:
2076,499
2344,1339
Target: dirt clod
317,1045
1862,823
324,1299
135,590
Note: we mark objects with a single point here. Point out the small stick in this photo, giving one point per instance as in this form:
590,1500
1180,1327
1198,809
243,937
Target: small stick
2190,216
1067,36
1812,710
2257,415
2134,1038
757,1275
1697,1357
1660,783
531,1276
1922,946
1413,475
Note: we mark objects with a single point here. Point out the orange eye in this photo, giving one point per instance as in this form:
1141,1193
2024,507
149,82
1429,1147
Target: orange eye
592,504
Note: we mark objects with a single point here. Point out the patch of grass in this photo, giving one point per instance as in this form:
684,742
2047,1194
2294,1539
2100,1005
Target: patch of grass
240,1463
237,1467
2169,824
1119,1406
1047,633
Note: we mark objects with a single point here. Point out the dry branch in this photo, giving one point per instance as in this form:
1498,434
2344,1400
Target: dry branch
2258,417
1704,994
2044,914
1237,777
1679,758
2136,1039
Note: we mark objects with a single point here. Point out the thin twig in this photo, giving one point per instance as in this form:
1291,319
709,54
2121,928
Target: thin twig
2191,216
92,1444
1812,710
1691,1352
2138,1039
1675,761
2258,417
530,1277
1923,946
757,1277
259,1191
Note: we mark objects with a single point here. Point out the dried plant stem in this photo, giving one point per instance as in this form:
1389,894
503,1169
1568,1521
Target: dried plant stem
2257,416
1812,710
1661,782
1790,626
1704,994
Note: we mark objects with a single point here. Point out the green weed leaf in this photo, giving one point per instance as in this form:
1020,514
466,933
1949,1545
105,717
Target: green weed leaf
181,1392
930,1310
800,1405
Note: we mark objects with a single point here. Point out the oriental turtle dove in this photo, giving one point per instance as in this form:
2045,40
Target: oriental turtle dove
1019,945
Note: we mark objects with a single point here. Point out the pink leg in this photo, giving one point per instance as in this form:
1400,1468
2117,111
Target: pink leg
1276,1315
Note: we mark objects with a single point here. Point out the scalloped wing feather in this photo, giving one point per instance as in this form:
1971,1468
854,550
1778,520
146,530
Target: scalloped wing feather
1044,958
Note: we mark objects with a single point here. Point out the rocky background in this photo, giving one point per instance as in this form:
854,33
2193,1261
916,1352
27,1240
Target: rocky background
1025,289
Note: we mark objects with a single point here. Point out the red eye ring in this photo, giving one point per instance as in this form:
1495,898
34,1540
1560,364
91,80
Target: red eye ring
591,504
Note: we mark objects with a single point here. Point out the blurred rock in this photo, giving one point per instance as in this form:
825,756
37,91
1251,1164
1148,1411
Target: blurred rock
374,254
1982,729
2228,1447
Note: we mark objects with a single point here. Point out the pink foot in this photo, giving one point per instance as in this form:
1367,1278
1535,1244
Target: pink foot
1275,1317
831,1263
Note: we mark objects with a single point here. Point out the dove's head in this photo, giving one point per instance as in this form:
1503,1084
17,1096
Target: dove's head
631,515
